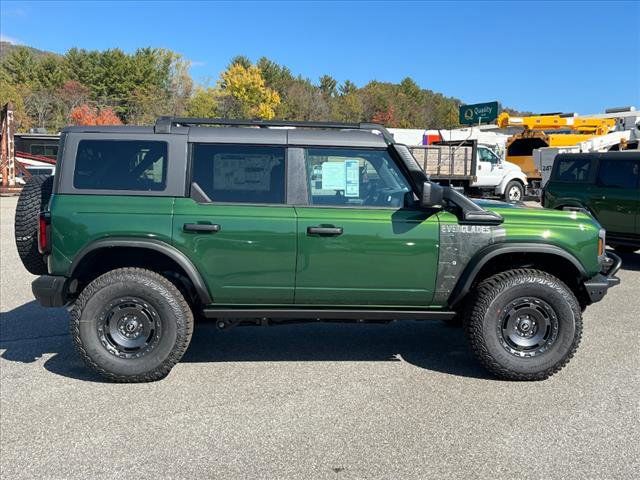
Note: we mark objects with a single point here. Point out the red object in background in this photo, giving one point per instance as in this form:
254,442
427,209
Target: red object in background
87,115
428,139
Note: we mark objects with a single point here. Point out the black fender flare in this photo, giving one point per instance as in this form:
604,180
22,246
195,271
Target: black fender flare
481,258
149,244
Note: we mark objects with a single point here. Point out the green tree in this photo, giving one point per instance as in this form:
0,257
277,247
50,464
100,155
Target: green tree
277,77
50,72
20,67
348,108
240,60
328,86
203,103
16,94
348,87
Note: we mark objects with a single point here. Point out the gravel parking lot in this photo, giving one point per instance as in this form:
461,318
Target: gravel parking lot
316,401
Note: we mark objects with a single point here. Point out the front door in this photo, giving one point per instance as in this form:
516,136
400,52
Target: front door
489,170
616,195
236,228
358,244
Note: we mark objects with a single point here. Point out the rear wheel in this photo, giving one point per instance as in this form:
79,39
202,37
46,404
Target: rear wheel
131,325
34,197
524,324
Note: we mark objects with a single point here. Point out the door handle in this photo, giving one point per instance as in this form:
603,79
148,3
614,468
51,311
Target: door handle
325,231
201,227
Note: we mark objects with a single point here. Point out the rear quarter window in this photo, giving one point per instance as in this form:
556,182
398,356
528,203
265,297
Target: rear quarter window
617,173
136,165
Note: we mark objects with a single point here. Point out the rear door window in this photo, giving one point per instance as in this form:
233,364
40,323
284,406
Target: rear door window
618,174
240,173
121,165
573,170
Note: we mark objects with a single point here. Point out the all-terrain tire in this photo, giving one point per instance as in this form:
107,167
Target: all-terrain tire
33,199
484,323
514,189
157,298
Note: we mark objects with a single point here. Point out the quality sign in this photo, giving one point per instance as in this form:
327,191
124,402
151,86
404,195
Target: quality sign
478,113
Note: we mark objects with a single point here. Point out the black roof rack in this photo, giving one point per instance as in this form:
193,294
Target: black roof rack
164,124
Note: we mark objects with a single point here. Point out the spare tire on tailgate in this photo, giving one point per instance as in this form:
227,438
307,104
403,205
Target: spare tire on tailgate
33,199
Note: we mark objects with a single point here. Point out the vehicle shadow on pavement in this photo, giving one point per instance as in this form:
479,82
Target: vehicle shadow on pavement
429,344
29,332
630,261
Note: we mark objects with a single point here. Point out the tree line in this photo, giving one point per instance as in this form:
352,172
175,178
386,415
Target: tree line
110,87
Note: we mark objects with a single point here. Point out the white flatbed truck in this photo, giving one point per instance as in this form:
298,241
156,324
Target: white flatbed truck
472,167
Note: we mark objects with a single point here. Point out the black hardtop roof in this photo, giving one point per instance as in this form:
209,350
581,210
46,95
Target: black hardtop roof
275,132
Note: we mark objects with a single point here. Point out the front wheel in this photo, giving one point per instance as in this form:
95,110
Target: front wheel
131,325
514,192
524,324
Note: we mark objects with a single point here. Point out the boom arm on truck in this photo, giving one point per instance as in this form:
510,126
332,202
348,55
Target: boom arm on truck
541,131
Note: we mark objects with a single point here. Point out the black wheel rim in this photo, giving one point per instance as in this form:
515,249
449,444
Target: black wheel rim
129,327
528,327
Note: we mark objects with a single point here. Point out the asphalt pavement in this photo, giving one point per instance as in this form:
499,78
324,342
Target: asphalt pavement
401,401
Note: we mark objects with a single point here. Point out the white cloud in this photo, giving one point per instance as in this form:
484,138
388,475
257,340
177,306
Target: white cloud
195,63
5,38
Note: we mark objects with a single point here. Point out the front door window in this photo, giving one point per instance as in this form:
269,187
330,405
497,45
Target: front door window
354,177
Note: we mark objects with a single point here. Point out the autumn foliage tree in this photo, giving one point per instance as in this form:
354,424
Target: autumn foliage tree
246,93
86,115
385,117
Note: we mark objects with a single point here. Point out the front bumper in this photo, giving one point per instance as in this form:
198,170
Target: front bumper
50,290
598,285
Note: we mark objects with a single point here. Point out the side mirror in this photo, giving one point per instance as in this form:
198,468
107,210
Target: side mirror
431,196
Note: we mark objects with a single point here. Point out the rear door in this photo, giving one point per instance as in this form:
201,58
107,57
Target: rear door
616,195
236,227
358,244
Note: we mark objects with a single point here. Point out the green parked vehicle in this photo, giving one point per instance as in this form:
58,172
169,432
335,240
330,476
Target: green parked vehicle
143,229
607,185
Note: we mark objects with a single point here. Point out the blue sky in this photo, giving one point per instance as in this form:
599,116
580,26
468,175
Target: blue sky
556,56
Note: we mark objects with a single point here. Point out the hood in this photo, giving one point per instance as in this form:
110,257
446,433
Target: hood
511,166
520,213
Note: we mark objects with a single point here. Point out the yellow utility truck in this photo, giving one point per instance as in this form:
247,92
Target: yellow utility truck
553,130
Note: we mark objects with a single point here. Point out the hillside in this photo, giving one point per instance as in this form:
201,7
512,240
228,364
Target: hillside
51,90
6,48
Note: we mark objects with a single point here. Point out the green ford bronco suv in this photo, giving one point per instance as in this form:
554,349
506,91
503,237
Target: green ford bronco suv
143,229
607,185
